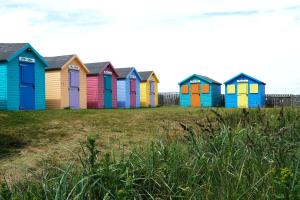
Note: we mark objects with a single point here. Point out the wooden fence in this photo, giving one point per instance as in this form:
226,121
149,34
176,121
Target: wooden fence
272,100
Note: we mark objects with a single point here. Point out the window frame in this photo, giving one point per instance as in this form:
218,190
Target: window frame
233,86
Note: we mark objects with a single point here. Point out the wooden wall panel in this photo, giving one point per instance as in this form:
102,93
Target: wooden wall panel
101,90
156,93
92,92
143,96
65,87
53,89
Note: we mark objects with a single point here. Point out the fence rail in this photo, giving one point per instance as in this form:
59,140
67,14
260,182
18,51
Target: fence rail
272,100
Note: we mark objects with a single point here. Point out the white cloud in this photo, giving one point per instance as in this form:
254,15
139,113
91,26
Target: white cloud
173,37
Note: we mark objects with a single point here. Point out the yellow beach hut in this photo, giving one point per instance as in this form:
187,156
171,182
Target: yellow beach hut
148,89
66,82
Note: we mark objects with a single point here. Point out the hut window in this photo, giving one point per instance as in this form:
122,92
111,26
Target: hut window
184,89
205,88
195,88
254,88
231,89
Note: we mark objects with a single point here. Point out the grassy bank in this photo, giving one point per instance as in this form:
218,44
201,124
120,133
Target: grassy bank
163,153
28,139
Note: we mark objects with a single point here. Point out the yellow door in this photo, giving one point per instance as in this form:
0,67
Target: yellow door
242,95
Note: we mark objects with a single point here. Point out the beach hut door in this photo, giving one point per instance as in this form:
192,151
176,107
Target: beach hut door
74,89
152,94
132,93
107,91
27,86
195,95
242,95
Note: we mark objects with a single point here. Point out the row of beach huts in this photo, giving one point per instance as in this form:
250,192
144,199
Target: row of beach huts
29,81
241,91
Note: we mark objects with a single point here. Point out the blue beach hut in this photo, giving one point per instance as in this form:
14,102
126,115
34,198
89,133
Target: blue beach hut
199,91
22,77
128,88
244,91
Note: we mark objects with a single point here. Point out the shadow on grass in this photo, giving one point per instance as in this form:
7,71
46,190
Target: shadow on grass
10,145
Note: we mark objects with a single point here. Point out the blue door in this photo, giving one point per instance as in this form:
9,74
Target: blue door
107,91
27,87
74,89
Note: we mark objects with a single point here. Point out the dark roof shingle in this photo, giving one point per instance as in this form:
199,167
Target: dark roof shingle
95,68
9,49
210,79
123,72
57,62
145,75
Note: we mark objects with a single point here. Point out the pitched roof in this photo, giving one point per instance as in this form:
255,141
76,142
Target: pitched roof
57,62
145,75
124,72
206,78
211,80
9,49
95,68
249,77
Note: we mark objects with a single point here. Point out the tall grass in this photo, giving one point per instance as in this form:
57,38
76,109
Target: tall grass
227,155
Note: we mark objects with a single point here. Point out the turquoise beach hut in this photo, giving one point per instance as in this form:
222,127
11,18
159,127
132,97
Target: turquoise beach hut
199,91
22,77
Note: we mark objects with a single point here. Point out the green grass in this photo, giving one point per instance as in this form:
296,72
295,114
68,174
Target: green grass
163,153
29,138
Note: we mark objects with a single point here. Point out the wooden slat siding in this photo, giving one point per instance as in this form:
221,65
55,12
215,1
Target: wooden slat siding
92,91
13,89
127,93
168,99
3,86
101,91
145,92
121,93
272,100
13,86
156,93
143,96
148,94
278,100
138,99
254,100
40,93
65,103
114,91
83,89
53,89
82,83
184,99
216,98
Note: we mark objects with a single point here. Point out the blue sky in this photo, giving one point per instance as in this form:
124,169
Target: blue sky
175,38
